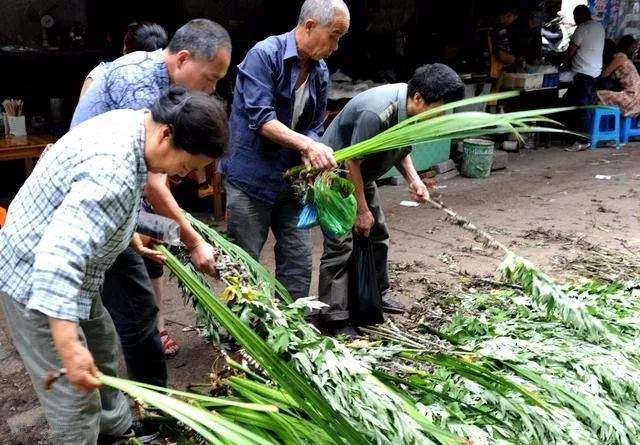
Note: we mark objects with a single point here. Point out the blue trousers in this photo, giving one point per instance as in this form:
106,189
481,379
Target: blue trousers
248,222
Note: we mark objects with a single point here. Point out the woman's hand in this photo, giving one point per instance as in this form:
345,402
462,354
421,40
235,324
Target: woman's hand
81,370
203,256
140,244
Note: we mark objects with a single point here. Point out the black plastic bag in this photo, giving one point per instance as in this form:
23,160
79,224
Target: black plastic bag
365,301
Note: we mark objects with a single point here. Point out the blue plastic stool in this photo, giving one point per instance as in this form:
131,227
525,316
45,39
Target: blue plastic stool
605,126
629,128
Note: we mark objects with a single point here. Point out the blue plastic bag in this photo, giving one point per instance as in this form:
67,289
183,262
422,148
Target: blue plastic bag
308,216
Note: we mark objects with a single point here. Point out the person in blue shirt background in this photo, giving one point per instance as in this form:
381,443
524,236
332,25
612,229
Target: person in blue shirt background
149,37
276,122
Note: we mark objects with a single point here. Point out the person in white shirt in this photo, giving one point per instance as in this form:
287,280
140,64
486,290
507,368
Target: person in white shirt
585,55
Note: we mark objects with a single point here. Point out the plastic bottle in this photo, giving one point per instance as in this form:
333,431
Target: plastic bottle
158,227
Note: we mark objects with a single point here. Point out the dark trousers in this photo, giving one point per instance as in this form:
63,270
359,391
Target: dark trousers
128,296
580,93
333,287
248,223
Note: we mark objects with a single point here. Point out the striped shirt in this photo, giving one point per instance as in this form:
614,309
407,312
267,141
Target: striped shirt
73,216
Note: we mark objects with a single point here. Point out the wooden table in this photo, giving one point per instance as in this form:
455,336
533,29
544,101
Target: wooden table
24,147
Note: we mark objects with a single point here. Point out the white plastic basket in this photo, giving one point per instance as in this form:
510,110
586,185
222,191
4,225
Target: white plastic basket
521,81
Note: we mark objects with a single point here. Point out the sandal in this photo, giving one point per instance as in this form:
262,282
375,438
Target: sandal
577,147
169,346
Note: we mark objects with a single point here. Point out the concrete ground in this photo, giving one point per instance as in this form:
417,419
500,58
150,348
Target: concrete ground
546,188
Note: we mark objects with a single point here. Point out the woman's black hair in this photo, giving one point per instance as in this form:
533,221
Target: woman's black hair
198,122
145,36
508,7
608,52
626,45
436,82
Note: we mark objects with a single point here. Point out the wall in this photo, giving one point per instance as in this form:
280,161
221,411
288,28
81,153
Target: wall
15,26
619,17
240,17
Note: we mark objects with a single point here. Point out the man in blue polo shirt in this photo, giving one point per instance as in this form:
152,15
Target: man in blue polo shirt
366,115
276,121
196,58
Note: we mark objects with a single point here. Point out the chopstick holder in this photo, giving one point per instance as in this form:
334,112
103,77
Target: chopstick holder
16,125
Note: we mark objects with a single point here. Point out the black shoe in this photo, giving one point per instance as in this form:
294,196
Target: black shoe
336,328
145,432
315,321
391,306
348,331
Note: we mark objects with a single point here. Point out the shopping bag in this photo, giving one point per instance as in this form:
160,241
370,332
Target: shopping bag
365,301
333,197
308,216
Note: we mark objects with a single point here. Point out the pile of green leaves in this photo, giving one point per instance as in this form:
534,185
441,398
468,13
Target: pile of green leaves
534,363
279,370
553,299
519,373
332,387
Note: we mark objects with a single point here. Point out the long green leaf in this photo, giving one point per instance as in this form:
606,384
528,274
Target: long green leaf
433,125
212,427
423,387
211,401
481,375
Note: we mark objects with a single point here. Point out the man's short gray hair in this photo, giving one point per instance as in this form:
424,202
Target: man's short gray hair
201,37
322,11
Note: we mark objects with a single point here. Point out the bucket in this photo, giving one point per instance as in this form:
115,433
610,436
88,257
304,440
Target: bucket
477,158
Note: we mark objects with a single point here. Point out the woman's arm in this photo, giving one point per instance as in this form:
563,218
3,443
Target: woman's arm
98,203
86,85
159,195
617,62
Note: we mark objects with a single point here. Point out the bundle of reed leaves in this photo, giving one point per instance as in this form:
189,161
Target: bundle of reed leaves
434,125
